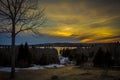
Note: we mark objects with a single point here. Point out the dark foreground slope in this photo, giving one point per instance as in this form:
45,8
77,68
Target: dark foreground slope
65,73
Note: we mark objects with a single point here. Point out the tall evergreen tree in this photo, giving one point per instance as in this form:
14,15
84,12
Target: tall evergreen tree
99,58
24,56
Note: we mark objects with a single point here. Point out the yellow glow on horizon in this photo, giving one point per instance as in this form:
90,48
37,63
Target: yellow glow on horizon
95,33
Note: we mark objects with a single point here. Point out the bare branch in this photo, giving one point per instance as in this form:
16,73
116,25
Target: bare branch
4,13
9,7
24,14
3,3
4,30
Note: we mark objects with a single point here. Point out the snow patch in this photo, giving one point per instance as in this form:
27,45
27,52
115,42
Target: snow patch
64,60
5,69
54,66
34,67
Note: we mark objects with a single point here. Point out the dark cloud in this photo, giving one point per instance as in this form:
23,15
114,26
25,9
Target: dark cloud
111,37
99,3
115,23
96,25
69,21
85,36
60,1
104,7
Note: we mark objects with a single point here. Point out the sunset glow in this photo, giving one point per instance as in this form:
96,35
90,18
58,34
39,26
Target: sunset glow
84,18
81,20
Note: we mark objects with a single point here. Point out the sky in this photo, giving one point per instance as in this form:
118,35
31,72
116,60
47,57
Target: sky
85,21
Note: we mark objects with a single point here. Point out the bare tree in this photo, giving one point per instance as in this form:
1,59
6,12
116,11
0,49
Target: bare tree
17,16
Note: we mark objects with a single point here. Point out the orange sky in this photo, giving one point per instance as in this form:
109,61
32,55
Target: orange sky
83,20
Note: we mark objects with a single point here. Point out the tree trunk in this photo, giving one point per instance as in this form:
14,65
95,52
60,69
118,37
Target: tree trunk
13,52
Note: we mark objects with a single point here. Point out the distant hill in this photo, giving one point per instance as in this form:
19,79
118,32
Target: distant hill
66,44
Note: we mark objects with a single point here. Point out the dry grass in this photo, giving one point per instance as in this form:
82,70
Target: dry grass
66,73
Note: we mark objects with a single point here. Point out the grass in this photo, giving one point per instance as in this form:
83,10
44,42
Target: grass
65,73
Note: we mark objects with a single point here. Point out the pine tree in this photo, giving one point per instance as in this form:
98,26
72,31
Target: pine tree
99,58
24,56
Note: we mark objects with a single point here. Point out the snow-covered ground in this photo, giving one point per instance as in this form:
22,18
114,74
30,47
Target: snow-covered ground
34,67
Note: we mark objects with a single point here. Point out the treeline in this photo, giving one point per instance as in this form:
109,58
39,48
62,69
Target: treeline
74,55
26,56
98,56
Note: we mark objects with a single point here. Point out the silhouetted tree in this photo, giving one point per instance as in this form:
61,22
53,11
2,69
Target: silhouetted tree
65,52
102,59
20,52
17,16
91,54
72,55
80,59
108,59
116,56
99,58
24,56
4,56
44,59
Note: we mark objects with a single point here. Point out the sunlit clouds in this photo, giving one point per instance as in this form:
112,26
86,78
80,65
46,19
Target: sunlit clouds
80,21
83,20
